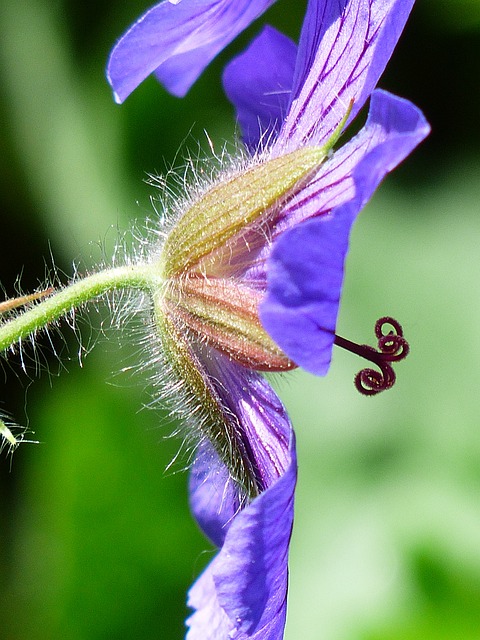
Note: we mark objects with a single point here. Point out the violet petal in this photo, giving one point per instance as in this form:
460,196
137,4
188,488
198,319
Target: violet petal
305,269
214,499
260,419
305,276
258,82
177,41
242,593
389,117
261,424
333,184
343,50
209,620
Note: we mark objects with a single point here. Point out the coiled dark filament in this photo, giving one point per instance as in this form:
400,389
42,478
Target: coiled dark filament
392,347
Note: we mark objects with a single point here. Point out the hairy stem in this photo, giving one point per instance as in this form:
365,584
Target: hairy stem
141,276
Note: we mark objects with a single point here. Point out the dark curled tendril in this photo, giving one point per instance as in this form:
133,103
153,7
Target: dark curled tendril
392,347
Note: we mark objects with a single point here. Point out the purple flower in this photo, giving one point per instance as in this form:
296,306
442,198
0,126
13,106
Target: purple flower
282,263
176,39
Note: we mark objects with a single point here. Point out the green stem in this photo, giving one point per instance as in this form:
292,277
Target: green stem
130,277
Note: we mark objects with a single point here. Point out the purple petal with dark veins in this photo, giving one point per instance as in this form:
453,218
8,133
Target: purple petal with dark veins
263,431
343,50
305,268
177,40
242,593
214,499
258,416
258,82
389,118
243,590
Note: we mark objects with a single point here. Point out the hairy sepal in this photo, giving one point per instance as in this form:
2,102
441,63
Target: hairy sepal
198,401
228,208
224,314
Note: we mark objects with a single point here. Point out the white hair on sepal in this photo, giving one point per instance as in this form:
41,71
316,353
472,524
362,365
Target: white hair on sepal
183,184
168,391
178,191
130,320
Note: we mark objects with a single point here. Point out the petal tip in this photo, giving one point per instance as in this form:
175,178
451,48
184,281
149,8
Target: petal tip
117,98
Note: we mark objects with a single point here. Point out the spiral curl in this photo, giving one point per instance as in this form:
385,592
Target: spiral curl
392,347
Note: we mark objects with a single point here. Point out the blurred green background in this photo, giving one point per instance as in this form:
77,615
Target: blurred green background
96,541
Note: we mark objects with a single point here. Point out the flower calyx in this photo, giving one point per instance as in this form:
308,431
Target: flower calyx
215,242
206,310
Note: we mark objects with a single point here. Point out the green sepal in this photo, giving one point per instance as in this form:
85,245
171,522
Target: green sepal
232,205
197,401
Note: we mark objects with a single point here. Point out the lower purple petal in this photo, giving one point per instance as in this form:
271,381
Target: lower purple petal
242,593
209,621
214,499
257,414
177,41
258,82
262,427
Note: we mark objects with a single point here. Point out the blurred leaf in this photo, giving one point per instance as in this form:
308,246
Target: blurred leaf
106,545
453,15
69,148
